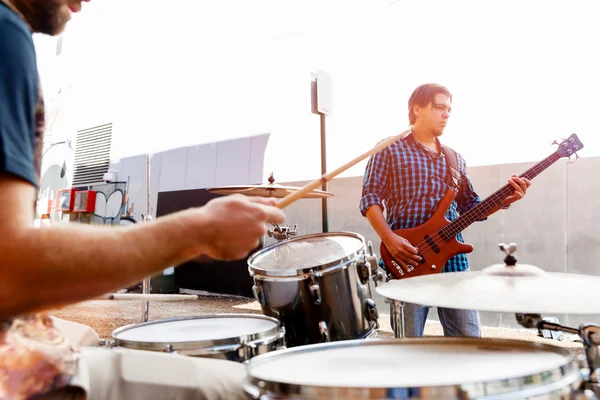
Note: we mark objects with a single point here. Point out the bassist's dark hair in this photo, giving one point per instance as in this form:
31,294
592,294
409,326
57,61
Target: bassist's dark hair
424,95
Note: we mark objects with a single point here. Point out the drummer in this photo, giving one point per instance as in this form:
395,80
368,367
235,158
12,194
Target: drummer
53,266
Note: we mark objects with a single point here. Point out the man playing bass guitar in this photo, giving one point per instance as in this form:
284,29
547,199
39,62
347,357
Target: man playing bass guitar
411,177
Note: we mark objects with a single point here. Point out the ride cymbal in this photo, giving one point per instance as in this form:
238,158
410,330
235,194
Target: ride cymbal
501,288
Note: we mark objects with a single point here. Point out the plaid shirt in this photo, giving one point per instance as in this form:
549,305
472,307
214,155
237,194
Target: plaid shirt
411,181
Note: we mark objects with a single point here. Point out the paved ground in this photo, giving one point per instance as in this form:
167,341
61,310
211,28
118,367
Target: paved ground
104,316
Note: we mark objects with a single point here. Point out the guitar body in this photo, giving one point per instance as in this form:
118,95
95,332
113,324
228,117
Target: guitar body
434,250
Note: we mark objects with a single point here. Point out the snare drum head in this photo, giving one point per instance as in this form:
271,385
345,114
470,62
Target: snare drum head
406,363
196,329
305,252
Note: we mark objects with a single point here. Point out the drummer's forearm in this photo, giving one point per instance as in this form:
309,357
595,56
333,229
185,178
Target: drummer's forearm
51,266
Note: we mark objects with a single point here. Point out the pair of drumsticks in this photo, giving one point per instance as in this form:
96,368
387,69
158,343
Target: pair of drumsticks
290,198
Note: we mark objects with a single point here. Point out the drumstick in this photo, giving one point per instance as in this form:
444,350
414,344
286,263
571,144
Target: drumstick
290,198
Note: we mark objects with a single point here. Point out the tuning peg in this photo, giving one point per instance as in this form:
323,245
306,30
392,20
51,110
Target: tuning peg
554,143
571,160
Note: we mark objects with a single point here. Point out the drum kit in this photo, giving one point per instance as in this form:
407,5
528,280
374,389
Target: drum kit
318,338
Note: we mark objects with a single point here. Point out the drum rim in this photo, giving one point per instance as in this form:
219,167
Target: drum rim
551,379
271,335
291,271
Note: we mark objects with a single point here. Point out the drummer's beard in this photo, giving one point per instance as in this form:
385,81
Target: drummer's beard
45,16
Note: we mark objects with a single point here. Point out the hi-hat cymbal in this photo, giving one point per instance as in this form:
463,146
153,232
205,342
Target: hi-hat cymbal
501,288
268,190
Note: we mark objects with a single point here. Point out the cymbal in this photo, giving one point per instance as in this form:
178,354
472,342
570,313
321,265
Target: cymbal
517,289
268,190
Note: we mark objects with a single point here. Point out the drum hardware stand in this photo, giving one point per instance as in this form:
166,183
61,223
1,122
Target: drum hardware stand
147,283
590,336
377,274
146,286
281,233
396,307
397,317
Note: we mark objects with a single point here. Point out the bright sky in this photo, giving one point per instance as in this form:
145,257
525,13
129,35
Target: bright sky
522,73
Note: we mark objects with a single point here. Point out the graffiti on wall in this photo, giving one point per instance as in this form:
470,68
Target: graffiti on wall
109,203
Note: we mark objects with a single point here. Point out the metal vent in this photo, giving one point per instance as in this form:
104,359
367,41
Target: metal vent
92,155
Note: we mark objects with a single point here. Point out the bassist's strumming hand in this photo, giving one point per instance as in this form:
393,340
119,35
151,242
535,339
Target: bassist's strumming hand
401,249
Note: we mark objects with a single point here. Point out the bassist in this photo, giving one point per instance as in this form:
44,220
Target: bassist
410,177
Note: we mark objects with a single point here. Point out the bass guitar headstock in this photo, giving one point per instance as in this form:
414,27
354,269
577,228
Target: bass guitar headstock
569,147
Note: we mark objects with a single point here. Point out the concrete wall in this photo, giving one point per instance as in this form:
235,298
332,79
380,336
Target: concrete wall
230,162
556,226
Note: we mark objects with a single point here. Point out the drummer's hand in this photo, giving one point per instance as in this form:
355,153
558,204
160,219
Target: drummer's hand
236,223
402,250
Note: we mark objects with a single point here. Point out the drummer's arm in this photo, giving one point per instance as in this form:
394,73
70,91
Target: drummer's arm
52,266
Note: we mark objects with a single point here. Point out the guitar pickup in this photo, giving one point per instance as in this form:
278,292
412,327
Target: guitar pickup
432,244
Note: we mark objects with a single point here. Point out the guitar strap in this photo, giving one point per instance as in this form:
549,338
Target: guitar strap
453,178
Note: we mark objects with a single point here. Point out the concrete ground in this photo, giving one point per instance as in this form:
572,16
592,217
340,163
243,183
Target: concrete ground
104,316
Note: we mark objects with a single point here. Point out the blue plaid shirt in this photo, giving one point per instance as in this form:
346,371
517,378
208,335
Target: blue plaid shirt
410,180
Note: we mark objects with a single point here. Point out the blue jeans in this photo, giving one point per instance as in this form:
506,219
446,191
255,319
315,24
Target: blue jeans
455,322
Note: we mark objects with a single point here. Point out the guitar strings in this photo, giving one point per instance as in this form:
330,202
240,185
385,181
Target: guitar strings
485,206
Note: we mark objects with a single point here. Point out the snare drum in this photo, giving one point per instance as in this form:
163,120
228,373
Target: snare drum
234,337
317,286
423,368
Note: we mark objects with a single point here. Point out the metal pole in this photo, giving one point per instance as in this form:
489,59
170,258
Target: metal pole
315,110
146,281
397,318
323,172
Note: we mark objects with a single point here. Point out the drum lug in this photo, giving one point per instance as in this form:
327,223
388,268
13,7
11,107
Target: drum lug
324,331
372,258
364,269
375,272
315,292
372,313
248,349
259,295
106,343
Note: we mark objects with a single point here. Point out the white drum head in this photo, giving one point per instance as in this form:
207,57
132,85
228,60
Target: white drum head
305,252
483,364
196,329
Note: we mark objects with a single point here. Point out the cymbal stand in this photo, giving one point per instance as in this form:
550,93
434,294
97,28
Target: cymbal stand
281,233
590,336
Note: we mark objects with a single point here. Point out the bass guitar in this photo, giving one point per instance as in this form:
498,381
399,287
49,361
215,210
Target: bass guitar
436,238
